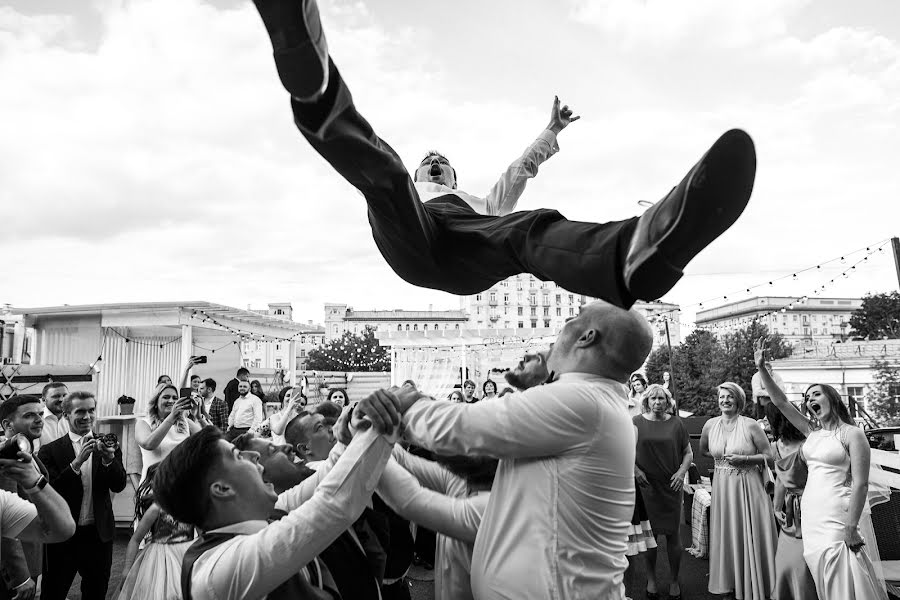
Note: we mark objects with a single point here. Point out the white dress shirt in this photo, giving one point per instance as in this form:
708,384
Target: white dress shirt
86,514
264,555
429,495
557,519
54,427
246,412
504,196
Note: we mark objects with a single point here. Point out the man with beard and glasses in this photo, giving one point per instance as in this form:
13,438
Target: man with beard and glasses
556,521
436,236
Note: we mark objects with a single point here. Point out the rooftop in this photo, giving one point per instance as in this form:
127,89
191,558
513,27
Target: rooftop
762,304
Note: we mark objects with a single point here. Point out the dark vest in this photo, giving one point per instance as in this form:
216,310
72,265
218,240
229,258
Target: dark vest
295,588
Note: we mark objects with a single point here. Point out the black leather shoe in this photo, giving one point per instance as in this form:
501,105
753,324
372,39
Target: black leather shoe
298,41
698,210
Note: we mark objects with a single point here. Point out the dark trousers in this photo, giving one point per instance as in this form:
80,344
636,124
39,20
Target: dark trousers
84,553
443,244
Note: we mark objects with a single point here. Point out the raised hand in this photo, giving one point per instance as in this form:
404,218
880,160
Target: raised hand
759,355
560,117
380,409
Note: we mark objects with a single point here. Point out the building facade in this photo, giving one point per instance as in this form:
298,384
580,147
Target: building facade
805,322
340,318
525,302
261,354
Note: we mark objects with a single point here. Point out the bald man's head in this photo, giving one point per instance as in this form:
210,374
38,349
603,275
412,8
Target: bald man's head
603,339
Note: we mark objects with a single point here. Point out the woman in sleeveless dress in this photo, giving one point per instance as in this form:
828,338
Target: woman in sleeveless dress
837,455
165,426
155,572
741,526
793,581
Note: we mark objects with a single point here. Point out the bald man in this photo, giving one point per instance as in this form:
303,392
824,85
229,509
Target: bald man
556,523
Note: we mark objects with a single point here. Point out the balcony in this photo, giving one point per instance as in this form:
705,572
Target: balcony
492,302
494,317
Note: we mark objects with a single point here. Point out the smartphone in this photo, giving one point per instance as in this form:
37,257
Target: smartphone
201,360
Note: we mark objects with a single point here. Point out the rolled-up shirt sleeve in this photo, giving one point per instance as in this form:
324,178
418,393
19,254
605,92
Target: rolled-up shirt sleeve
504,196
542,421
300,493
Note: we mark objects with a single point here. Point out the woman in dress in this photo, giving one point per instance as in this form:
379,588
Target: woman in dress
837,455
155,573
793,581
741,525
165,426
637,385
663,458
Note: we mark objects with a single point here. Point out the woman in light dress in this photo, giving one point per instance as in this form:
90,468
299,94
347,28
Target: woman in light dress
155,572
837,455
741,525
793,581
166,425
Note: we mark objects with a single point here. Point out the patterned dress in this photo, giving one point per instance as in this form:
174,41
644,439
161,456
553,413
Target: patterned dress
156,573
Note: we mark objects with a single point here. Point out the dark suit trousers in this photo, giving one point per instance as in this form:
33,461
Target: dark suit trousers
84,553
443,244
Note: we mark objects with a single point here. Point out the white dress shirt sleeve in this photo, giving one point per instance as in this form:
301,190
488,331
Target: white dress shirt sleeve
258,413
456,517
542,421
300,493
504,196
430,474
256,564
233,413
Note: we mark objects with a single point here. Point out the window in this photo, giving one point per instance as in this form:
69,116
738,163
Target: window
855,395
795,318
425,327
816,331
415,326
520,311
546,312
504,283
302,353
534,324
477,310
571,312
407,326
303,339
399,327
558,298
277,363
256,363
435,326
521,325
335,330
493,297
247,363
505,324
505,310
505,297
532,299
533,311
571,298
546,323
457,325
558,311
278,346
477,297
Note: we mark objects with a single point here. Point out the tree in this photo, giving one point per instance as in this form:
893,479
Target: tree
883,397
697,364
350,352
878,317
738,347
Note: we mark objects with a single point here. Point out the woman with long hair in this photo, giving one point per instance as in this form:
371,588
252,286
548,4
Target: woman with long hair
456,396
637,385
742,529
155,572
166,425
793,581
257,390
339,396
834,501
663,458
489,390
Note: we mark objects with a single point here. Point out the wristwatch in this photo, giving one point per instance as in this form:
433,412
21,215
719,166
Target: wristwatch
41,484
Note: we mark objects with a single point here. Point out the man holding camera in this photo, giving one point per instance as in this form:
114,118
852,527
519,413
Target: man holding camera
22,560
84,469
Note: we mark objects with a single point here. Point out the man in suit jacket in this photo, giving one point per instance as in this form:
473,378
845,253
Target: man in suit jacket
84,471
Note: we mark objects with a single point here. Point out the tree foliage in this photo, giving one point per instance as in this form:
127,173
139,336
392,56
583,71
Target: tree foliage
883,396
350,352
878,317
702,362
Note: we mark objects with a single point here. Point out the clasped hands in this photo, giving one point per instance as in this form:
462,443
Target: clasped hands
382,410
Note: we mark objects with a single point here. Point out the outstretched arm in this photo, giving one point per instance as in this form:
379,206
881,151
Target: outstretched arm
504,196
779,399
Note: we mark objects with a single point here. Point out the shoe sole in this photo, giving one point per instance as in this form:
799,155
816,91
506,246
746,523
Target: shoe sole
716,194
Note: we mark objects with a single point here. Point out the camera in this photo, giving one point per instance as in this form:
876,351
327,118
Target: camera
10,448
109,440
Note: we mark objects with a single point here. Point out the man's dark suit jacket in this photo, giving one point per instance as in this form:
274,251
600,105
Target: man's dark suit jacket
58,456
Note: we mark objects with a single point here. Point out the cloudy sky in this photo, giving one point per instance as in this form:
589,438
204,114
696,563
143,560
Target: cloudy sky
147,151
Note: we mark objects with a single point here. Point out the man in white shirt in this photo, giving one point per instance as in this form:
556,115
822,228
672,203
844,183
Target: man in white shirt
55,423
435,236
46,519
247,412
556,523
207,482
